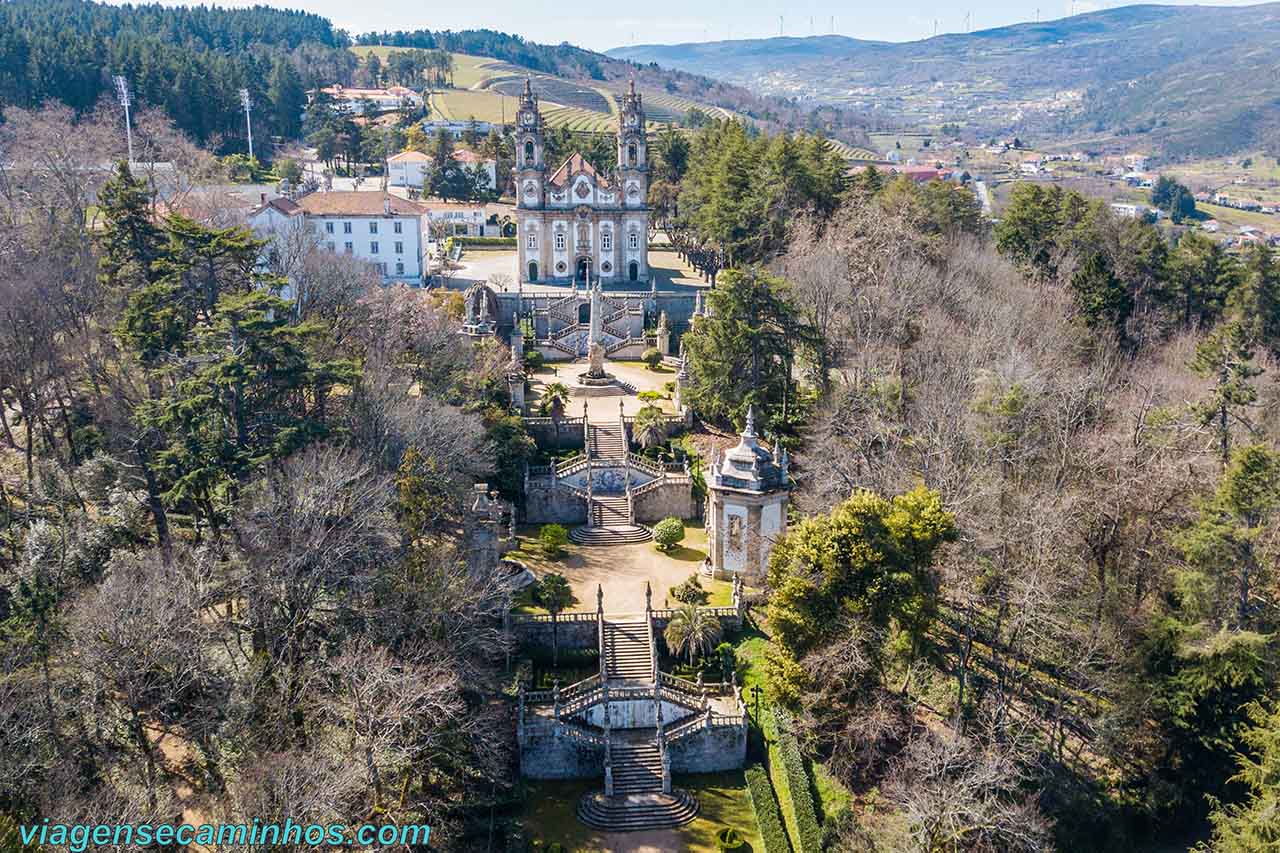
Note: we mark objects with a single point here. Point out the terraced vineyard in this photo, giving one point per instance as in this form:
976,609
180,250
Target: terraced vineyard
851,152
662,108
576,118
488,89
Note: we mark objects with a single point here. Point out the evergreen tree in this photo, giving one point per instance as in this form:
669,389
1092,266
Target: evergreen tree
130,243
1200,275
743,353
1226,356
1102,299
288,99
870,559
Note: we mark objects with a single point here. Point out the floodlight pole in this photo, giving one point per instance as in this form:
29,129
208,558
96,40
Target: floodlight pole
122,93
247,103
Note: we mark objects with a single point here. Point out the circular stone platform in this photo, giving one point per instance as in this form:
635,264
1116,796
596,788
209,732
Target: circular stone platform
634,812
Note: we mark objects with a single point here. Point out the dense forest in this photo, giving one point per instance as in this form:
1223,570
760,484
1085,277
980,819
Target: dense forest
190,61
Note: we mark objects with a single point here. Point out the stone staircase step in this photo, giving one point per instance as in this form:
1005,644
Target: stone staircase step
637,811
614,535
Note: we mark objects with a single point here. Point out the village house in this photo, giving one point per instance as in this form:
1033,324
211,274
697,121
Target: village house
1129,210
411,168
456,129
355,101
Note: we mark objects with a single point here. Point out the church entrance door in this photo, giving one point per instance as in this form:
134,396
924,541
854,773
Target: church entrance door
584,270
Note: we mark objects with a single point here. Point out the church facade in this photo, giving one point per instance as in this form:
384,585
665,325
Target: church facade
580,223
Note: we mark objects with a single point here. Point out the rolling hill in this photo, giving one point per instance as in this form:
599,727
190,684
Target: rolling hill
1189,79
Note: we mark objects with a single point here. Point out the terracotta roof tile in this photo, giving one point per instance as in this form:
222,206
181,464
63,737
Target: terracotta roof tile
576,165
355,203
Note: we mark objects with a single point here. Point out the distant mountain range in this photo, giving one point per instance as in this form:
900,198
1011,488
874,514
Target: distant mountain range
1190,79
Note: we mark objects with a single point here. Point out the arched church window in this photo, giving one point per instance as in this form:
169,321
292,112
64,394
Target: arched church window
631,154
528,152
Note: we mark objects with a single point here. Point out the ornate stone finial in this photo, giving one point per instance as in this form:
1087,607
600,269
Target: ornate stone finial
648,597
697,310
631,87
584,410
600,597
784,464
528,86
750,430
662,322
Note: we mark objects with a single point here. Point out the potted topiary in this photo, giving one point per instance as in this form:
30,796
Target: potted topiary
729,839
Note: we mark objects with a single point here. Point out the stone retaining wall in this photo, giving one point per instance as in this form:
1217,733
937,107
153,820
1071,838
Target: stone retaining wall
667,500
712,750
547,756
572,633
547,503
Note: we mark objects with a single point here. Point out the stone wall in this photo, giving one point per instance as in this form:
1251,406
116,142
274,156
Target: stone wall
545,755
669,499
577,630
547,503
543,431
710,751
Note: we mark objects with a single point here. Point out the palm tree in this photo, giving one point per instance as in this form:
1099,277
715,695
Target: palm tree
556,596
692,630
650,427
554,402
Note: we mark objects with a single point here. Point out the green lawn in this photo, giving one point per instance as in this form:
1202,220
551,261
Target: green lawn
549,813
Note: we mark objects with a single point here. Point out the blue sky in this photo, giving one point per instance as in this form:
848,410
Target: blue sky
595,25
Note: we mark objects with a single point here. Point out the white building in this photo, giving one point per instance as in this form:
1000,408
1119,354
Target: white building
354,101
459,219
408,169
456,129
411,168
1128,210
385,230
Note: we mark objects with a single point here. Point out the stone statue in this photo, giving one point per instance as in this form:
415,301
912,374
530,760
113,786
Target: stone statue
597,316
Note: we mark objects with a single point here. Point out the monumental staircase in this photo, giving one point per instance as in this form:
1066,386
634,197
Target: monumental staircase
610,514
629,720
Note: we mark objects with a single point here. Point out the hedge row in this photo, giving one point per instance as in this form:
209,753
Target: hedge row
810,840
487,241
765,806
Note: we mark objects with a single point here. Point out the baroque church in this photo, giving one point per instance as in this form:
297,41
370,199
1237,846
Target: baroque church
579,223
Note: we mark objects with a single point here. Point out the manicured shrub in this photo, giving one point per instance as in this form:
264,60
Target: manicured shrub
553,538
690,592
652,357
729,839
765,806
810,840
533,360
667,534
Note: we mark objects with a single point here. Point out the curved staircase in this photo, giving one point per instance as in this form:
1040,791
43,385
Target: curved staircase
610,521
632,812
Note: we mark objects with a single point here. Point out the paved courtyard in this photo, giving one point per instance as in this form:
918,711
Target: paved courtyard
482,264
623,569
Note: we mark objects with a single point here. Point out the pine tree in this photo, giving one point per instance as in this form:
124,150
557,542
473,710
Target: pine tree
1226,356
131,243
288,98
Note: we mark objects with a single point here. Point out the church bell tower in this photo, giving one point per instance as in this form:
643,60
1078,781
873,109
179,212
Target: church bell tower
633,159
531,166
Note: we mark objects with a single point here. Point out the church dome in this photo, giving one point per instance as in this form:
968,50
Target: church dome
750,465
